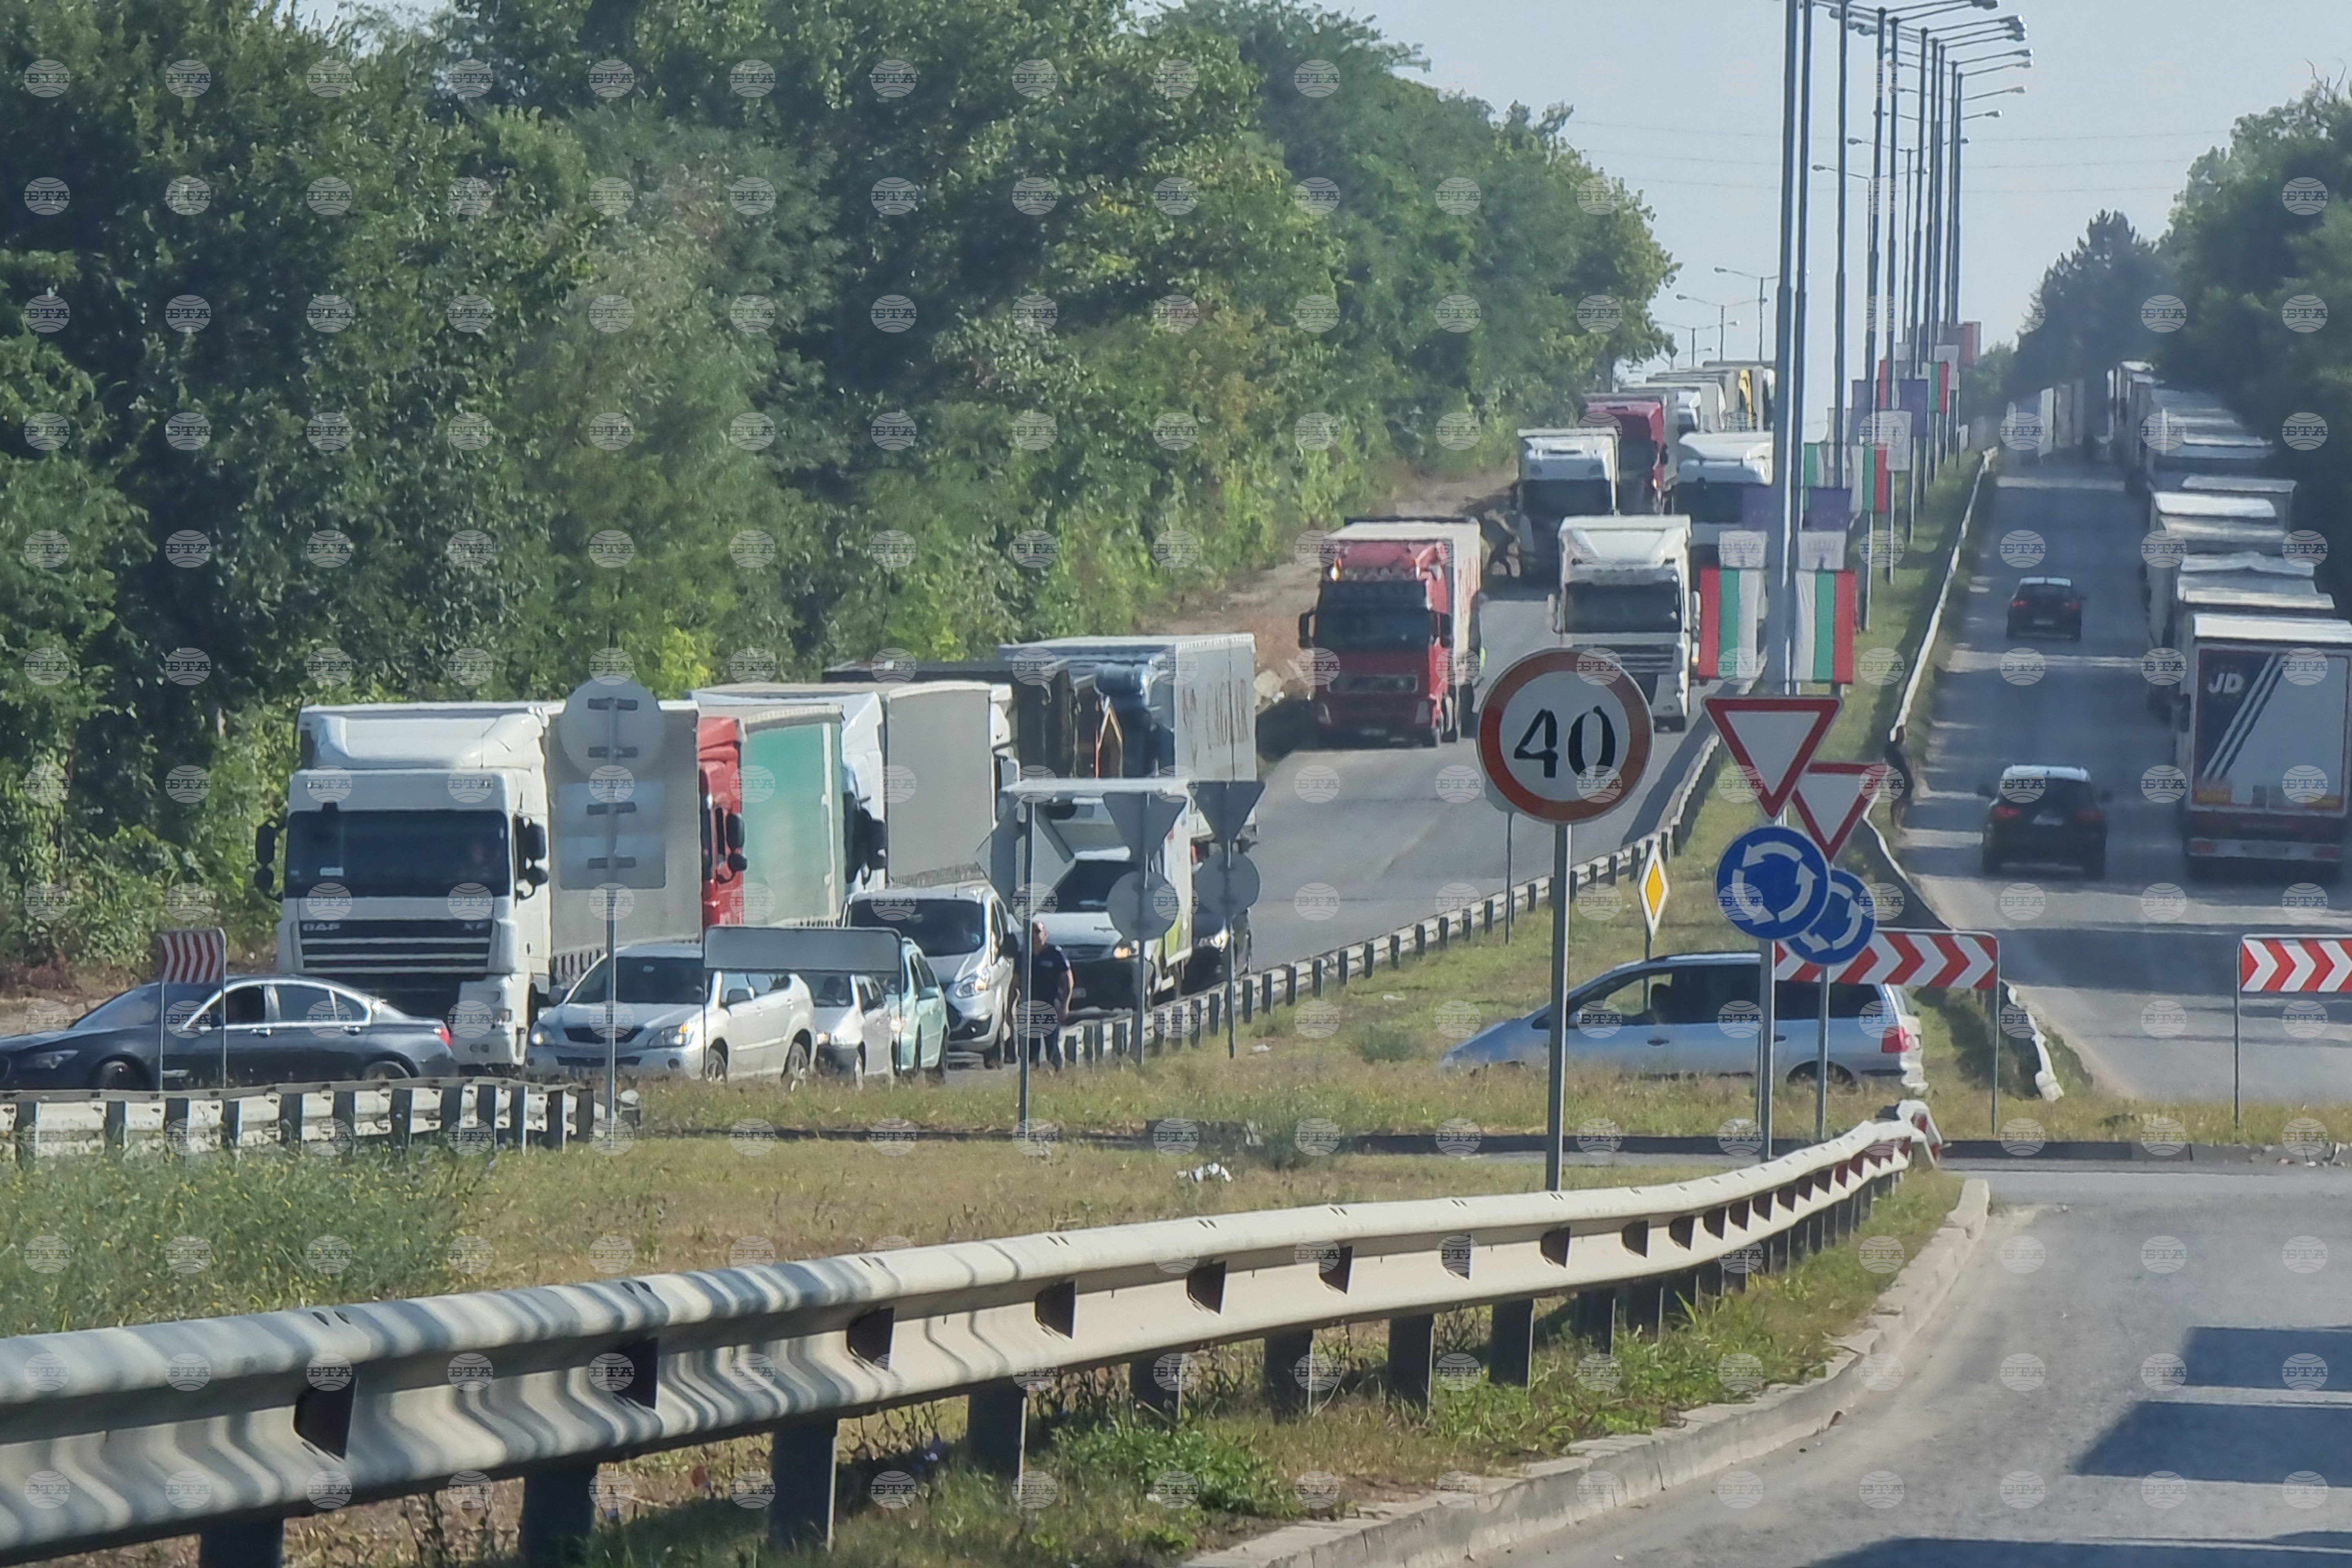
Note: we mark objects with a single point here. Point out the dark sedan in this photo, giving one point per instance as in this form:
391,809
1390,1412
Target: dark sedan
2050,605
268,1028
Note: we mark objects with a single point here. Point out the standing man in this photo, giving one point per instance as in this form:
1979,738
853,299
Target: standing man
1048,1004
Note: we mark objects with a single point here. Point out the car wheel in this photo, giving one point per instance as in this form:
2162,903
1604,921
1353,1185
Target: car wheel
714,1062
797,1064
386,1069
117,1074
1802,1074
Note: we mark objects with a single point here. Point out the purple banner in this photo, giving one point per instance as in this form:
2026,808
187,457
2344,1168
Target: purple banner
1757,510
1828,507
1918,400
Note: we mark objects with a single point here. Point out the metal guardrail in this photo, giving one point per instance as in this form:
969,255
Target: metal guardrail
227,1426
484,1112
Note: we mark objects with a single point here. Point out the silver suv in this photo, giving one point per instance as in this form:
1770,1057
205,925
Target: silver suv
968,934
1693,1013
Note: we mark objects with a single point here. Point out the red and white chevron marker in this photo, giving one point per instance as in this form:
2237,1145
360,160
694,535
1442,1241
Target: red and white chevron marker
2275,964
197,956
1954,960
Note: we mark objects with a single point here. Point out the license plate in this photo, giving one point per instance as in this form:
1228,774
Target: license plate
2048,819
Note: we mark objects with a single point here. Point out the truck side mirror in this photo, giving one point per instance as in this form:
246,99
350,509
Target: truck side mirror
531,841
264,856
1441,626
735,832
1305,628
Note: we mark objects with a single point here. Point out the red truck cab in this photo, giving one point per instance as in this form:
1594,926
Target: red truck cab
1643,426
720,748
1397,615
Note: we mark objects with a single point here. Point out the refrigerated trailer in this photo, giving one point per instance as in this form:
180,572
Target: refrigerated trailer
2261,735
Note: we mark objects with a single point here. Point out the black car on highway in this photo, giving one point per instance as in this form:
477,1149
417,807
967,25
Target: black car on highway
2046,814
2050,605
269,1028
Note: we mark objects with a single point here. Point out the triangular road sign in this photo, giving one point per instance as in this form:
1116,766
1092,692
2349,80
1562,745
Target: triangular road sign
1831,798
1772,738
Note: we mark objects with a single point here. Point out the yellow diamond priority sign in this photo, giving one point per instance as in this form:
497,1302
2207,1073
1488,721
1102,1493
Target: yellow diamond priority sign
1654,891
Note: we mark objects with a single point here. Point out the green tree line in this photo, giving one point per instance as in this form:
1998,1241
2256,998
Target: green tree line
712,337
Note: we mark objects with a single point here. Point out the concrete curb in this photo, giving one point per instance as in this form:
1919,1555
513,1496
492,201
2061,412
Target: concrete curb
1607,1473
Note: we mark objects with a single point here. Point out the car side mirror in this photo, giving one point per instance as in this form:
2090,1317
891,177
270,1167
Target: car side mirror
736,996
1305,628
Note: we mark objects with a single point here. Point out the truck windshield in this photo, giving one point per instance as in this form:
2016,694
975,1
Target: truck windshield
1566,498
943,928
1705,502
1086,887
1364,628
1623,607
396,854
665,982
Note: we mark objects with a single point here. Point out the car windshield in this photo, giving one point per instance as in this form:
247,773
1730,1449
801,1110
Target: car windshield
1705,502
137,1005
2046,590
1086,887
666,981
396,853
2059,794
1623,607
830,987
943,928
1566,498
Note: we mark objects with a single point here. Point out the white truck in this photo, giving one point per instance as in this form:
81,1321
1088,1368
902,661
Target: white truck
1721,482
2280,493
1625,590
427,861
2180,525
2265,736
1562,473
1699,403
923,763
2243,582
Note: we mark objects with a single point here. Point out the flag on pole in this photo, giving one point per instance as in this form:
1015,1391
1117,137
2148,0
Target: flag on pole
1814,480
1878,480
1825,627
1731,621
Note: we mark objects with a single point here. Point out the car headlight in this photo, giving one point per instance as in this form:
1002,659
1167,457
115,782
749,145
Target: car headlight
1124,950
678,1036
540,1035
48,1061
972,985
823,1037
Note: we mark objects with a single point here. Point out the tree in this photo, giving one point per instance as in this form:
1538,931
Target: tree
2086,315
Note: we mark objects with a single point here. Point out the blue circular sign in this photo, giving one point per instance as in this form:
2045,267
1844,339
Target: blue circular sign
1843,928
1772,882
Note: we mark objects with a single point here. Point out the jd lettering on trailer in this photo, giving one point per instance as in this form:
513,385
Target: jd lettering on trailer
1563,737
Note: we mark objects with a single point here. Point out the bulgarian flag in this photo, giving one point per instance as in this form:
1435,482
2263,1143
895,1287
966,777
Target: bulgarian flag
1825,627
1943,387
1731,621
1875,481
1814,480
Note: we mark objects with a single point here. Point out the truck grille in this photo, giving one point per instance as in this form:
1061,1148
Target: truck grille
1367,684
1658,661
356,950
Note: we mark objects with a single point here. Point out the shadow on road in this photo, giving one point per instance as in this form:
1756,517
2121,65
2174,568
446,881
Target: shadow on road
1912,1551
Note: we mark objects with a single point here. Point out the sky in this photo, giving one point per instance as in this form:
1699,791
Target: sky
2122,96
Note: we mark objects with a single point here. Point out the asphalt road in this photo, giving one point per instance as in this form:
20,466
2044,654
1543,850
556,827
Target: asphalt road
2034,1425
2135,971
1398,833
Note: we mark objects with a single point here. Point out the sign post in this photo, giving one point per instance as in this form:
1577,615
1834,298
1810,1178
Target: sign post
191,956
1563,737
1772,884
1653,889
1771,740
1232,885
612,731
2271,964
1830,799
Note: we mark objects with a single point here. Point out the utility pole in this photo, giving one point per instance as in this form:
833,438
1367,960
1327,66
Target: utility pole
1779,545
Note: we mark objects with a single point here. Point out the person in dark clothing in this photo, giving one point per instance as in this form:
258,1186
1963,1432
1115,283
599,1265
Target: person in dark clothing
1048,1004
1901,768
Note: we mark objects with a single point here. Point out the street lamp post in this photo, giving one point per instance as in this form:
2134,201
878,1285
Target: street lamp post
1780,545
1759,282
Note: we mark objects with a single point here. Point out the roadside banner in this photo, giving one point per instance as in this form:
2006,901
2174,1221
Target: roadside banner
1825,627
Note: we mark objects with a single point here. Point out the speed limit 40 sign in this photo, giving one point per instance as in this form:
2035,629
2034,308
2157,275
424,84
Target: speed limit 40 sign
1564,735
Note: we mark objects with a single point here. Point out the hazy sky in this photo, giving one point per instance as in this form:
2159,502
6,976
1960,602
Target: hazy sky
1683,101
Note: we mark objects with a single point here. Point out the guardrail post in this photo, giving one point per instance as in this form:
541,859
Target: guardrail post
232,1127
256,1544
290,1117
799,1464
25,1129
1285,1388
518,1119
402,1126
118,1124
1445,933
346,1110
559,1514
1344,957
1645,1306
584,1115
1511,1342
486,1109
1143,1384
1706,1284
1318,981
551,1126
1413,1347
1592,1317
176,1115
1245,993
453,1113
996,1427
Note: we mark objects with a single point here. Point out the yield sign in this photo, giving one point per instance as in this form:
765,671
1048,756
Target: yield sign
1831,798
1772,739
